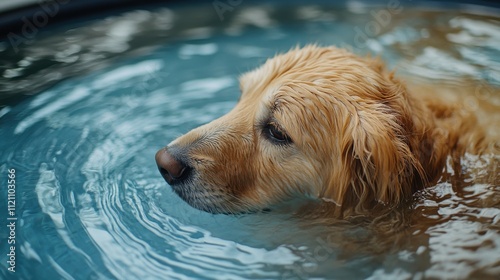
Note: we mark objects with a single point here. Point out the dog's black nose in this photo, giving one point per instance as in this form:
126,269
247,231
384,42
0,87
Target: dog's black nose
172,170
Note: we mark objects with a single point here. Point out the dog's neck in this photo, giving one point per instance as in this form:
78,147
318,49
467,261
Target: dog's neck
450,131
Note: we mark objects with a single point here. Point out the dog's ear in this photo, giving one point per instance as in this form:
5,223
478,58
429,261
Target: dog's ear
378,165
382,163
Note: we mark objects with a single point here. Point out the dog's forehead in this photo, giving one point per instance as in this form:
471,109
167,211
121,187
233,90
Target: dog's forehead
310,64
312,71
277,83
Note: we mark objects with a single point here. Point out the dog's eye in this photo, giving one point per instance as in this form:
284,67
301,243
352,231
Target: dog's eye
276,134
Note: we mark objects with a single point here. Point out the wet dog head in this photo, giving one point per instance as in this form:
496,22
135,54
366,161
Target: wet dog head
316,122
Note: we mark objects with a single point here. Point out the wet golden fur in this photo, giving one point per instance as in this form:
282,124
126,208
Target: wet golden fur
358,138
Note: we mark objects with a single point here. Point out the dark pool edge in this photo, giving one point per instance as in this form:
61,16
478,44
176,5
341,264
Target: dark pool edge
30,18
19,20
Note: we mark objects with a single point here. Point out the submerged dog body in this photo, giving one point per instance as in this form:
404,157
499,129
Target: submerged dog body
322,123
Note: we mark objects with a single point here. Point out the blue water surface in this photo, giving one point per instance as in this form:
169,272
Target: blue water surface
90,203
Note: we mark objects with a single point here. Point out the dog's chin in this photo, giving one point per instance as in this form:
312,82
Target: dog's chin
209,201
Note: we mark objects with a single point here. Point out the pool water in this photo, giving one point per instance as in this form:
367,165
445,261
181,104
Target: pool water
108,93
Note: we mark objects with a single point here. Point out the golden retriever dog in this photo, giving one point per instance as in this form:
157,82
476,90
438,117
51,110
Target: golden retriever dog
322,123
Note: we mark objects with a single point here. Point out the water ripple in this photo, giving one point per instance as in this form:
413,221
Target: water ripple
93,206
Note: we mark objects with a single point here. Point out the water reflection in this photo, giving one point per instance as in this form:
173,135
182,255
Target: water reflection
94,206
